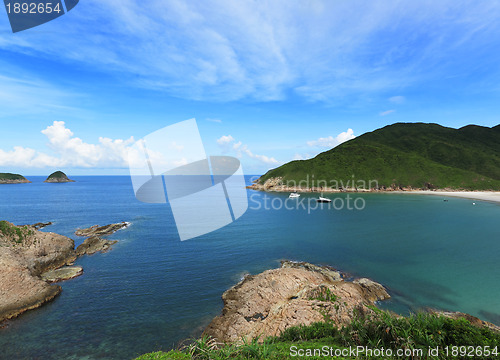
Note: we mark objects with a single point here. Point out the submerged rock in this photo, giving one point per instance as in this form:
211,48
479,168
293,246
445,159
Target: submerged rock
58,177
297,293
64,273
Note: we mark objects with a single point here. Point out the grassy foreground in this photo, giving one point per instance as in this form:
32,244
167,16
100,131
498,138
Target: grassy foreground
414,335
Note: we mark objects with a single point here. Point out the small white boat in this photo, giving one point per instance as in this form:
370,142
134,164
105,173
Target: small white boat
294,195
323,200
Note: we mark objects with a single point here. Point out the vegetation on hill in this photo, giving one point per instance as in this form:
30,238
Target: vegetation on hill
16,234
57,175
9,176
414,155
415,335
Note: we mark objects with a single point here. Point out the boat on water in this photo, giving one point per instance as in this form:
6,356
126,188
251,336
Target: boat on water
323,200
294,195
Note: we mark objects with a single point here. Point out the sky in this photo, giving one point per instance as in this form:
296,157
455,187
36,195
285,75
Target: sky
267,81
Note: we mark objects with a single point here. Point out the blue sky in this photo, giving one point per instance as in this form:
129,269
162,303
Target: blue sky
267,81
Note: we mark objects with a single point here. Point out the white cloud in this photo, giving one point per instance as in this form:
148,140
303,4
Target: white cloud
397,99
214,120
330,141
229,144
387,112
225,139
69,151
305,156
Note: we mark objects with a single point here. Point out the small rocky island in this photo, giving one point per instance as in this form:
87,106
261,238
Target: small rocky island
58,177
8,178
30,260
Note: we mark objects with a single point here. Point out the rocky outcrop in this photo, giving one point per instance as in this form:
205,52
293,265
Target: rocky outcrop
8,178
297,293
105,230
31,259
94,244
58,177
64,273
25,254
41,225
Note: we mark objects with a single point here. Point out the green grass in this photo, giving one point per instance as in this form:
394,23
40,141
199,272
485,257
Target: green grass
322,293
382,330
16,233
9,176
417,155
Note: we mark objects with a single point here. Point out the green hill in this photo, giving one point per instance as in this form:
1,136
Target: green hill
8,178
414,155
58,177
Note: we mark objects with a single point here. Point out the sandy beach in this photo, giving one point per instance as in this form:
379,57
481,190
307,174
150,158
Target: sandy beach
493,196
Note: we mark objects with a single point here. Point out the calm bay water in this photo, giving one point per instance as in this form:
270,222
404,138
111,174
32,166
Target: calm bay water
152,290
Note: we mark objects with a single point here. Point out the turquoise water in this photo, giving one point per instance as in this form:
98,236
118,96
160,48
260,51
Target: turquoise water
153,291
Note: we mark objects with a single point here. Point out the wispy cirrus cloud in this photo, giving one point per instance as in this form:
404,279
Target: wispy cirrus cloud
224,51
387,112
397,99
22,93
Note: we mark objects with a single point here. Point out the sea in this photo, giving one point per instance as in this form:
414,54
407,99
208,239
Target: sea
154,292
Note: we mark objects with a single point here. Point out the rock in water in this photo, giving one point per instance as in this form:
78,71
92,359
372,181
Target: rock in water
94,244
97,230
297,293
64,273
58,177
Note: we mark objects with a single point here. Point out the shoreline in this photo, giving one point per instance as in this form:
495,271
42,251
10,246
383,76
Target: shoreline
300,294
490,196
480,195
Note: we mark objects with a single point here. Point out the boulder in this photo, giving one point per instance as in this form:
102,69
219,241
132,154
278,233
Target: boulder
296,294
94,244
64,273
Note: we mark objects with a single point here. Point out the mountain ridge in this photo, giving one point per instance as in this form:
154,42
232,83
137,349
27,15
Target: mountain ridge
407,155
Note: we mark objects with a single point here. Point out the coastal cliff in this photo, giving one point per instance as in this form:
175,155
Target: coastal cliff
30,260
266,304
25,253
